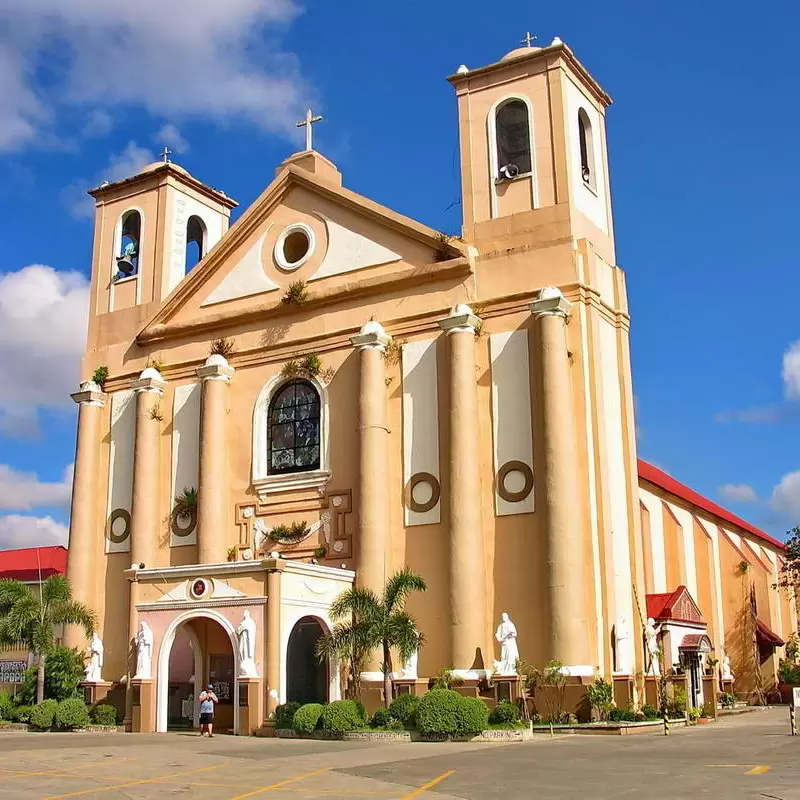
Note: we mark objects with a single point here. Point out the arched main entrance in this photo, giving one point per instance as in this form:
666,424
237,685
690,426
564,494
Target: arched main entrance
307,678
198,648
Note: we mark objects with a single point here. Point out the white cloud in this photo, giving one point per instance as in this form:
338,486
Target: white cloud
99,123
181,59
738,493
23,491
786,497
171,137
42,337
791,371
18,531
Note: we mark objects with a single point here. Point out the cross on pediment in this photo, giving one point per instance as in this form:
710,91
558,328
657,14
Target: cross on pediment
529,39
308,123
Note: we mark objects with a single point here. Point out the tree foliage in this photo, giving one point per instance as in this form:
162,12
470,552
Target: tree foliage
789,576
63,673
365,622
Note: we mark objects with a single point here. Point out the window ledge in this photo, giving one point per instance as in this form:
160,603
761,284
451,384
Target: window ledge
290,482
499,179
592,189
126,279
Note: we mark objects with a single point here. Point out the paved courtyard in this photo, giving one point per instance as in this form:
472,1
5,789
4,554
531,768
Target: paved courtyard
750,756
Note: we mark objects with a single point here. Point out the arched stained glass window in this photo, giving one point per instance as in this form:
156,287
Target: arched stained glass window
294,428
513,139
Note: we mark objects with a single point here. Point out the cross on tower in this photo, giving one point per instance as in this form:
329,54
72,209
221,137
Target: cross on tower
529,39
307,123
166,154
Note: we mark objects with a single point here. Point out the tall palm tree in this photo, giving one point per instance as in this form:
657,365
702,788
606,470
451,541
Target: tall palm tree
365,622
28,615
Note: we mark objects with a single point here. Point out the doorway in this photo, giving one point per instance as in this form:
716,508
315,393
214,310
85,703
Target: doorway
307,678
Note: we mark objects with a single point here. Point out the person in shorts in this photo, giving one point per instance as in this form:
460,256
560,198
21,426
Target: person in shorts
207,700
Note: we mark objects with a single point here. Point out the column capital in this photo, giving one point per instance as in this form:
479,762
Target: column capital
551,302
216,368
461,319
149,381
372,336
90,394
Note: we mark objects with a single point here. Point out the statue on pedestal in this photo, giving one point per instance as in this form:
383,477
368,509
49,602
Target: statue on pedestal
247,646
94,667
727,675
509,651
410,666
144,652
622,649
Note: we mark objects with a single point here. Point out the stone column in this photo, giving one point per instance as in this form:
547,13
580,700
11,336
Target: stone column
565,552
372,551
83,524
272,672
468,629
212,495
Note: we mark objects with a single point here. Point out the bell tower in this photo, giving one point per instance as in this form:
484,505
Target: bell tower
532,137
150,230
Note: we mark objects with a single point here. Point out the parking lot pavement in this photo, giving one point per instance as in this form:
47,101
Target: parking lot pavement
751,756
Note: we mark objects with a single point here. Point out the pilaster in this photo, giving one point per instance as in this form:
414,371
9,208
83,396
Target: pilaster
272,673
212,495
467,568
83,525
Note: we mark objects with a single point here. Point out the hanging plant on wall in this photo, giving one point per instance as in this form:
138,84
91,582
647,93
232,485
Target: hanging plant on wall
296,294
309,366
289,534
222,347
100,376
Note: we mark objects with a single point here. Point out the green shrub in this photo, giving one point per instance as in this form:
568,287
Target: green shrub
600,696
381,718
676,707
306,717
72,714
284,715
473,716
650,712
43,715
404,708
505,711
438,712
727,699
621,715
6,706
789,672
104,715
342,716
63,673
21,714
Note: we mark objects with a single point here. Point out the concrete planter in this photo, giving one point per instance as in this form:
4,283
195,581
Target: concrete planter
611,728
512,735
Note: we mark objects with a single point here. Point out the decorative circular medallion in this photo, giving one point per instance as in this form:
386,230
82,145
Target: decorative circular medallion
200,588
184,523
114,533
294,247
514,471
420,500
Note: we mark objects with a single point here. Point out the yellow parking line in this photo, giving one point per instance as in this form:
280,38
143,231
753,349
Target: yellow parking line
60,770
135,783
428,785
274,786
758,770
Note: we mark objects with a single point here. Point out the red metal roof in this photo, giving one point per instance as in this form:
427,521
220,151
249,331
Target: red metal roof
31,562
666,482
767,637
677,606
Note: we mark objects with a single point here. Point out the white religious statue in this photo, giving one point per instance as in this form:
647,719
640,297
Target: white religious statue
622,646
95,652
727,675
651,643
144,652
509,652
410,666
247,646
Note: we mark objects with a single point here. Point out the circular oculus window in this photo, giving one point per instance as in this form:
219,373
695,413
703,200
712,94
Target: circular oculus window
294,247
199,588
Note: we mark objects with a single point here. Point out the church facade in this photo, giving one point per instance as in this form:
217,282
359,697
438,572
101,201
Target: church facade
335,391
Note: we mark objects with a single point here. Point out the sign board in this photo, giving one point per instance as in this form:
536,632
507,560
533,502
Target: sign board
12,671
796,696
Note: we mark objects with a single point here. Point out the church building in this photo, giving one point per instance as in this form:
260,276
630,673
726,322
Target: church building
328,391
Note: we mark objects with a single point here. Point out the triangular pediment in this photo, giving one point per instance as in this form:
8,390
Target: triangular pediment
678,606
303,228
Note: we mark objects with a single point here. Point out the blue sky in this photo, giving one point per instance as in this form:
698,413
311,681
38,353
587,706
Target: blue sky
704,178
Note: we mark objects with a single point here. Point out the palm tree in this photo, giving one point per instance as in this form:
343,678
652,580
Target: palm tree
365,622
27,617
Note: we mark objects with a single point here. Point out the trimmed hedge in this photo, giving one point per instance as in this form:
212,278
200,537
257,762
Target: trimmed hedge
6,706
444,712
21,714
104,715
504,711
284,714
404,708
306,717
342,716
381,718
43,715
473,716
72,714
